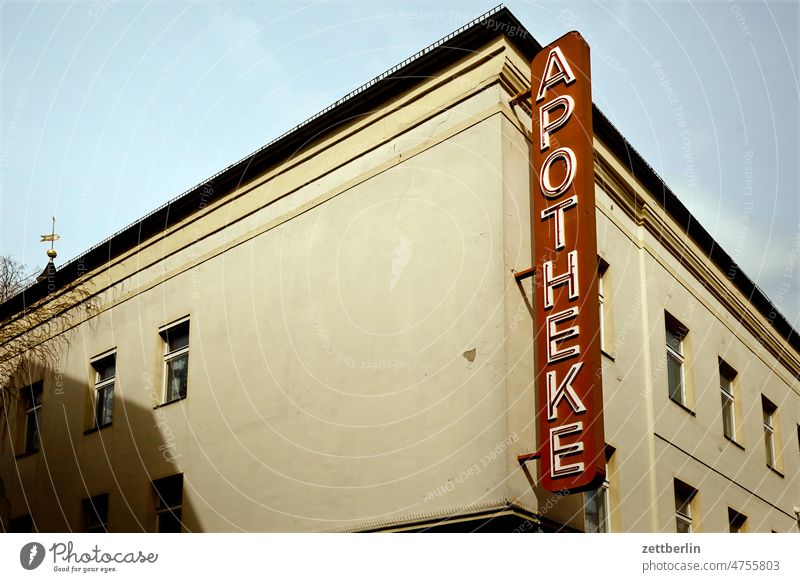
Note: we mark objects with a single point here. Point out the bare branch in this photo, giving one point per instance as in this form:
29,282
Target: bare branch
13,277
36,336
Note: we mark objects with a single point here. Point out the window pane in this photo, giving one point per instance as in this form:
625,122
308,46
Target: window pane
591,511
682,501
106,368
727,417
736,520
683,526
769,448
602,504
95,511
169,497
674,340
170,521
169,491
177,369
602,330
736,525
32,432
32,395
595,518
22,524
674,378
105,405
177,337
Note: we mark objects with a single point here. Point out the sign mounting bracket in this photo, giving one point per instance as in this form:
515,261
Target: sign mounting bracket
522,98
525,274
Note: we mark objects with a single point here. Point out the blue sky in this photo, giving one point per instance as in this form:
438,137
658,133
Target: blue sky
108,108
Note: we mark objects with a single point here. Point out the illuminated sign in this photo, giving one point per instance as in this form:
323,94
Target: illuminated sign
567,310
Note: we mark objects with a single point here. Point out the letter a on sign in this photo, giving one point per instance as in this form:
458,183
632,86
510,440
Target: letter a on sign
564,239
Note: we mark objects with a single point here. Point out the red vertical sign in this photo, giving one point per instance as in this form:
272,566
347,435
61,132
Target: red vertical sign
564,237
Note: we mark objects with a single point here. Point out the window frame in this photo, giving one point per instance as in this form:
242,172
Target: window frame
679,331
170,356
769,411
103,385
728,398
603,324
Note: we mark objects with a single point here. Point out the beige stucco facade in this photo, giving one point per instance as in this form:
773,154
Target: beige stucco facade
360,352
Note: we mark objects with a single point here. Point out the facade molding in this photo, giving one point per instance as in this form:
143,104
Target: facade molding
621,188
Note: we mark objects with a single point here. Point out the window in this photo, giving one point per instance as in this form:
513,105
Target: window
596,510
32,400
602,267
596,505
769,410
176,360
105,373
95,513
726,376
22,524
736,521
169,499
684,496
675,359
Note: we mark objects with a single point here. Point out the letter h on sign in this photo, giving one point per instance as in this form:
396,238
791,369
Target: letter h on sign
564,239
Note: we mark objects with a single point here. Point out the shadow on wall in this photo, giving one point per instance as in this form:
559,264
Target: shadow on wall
123,477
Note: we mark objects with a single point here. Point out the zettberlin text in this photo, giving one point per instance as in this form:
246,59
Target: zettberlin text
671,549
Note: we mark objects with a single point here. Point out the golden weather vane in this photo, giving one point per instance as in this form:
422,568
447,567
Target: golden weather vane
51,238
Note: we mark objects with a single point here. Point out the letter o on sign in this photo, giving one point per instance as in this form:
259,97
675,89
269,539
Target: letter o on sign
548,189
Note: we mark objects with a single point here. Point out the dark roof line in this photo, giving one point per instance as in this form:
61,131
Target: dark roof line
358,102
644,173
361,101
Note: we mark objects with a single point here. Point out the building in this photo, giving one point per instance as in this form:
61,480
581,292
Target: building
329,336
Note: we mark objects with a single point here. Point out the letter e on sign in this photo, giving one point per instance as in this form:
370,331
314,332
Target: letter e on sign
564,239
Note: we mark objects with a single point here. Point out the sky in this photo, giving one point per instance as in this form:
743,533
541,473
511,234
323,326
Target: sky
110,108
